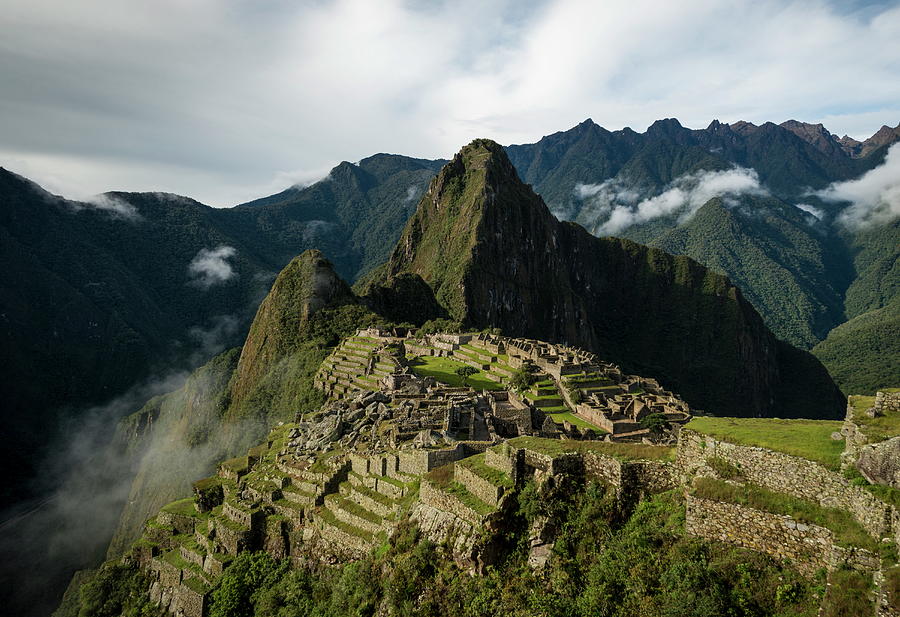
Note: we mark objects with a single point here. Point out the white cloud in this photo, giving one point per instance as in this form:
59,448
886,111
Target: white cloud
216,99
684,197
118,208
412,193
210,266
816,212
874,197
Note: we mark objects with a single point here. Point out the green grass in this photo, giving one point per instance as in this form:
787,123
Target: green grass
444,370
184,507
846,529
887,494
876,429
444,478
476,465
809,439
571,418
848,594
469,500
237,465
320,466
623,451
195,585
357,510
328,517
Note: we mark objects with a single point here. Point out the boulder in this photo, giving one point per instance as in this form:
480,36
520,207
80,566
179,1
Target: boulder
880,463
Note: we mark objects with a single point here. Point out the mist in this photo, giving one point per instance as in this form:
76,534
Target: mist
210,266
874,197
617,205
83,482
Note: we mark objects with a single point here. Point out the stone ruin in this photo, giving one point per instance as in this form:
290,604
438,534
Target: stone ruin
568,380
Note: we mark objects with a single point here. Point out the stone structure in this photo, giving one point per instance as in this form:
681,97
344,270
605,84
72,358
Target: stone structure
388,443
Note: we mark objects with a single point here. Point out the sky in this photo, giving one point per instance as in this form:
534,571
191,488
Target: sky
229,100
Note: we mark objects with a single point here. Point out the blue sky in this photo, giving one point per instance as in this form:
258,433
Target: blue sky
228,100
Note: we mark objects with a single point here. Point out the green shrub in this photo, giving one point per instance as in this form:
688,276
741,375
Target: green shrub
723,468
655,422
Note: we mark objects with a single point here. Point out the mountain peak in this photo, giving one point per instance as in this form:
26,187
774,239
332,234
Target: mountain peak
666,126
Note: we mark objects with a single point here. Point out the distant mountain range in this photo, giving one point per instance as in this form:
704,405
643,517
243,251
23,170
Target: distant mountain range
99,296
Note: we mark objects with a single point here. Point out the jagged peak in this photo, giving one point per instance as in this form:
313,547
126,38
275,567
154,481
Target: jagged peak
665,125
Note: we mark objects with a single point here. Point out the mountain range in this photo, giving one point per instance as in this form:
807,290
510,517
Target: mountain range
721,300
104,294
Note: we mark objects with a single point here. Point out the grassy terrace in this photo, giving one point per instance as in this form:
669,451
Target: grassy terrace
846,530
809,439
444,370
329,518
563,414
876,429
443,478
184,507
624,451
476,465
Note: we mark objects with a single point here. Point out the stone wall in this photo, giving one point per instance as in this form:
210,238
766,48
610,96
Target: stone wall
446,502
478,486
780,536
809,547
784,473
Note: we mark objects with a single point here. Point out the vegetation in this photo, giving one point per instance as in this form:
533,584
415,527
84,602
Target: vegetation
809,439
625,451
848,594
522,379
863,353
117,590
655,422
880,427
723,468
888,494
571,418
445,370
846,529
465,372
644,566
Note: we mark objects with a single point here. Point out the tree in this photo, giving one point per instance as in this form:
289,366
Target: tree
465,372
522,378
655,422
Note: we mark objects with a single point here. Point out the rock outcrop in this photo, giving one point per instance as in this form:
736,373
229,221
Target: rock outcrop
495,256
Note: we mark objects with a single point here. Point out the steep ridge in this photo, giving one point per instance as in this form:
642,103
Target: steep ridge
230,403
495,256
98,297
770,251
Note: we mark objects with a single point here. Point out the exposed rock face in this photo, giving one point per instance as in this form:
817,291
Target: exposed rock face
495,256
880,463
815,134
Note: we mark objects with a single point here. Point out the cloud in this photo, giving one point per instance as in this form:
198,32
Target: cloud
412,193
339,80
874,197
118,208
211,267
682,199
315,229
816,212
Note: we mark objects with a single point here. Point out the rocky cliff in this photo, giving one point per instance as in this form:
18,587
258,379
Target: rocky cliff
495,256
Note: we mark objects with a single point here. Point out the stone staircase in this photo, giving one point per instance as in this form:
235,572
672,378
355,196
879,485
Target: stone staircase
365,509
358,363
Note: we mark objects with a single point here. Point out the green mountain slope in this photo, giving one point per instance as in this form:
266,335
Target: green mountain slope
94,300
863,354
783,264
494,256
229,404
